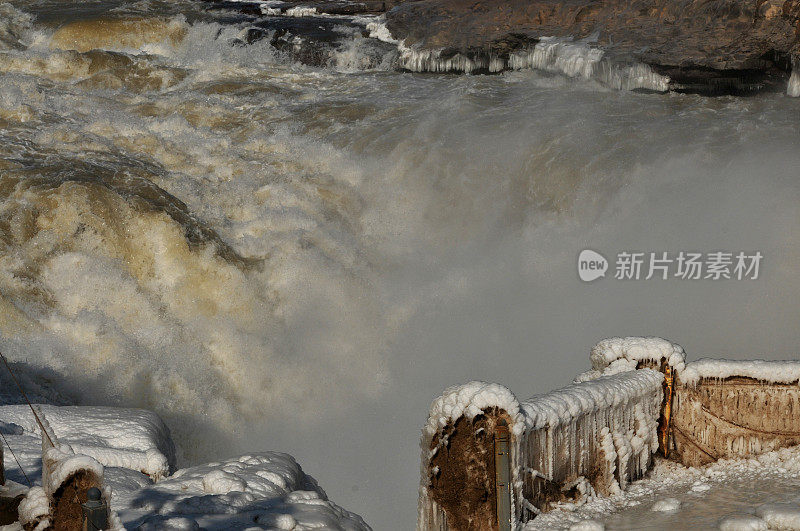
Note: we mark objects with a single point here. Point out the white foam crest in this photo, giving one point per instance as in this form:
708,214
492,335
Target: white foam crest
203,46
301,11
378,30
358,54
212,48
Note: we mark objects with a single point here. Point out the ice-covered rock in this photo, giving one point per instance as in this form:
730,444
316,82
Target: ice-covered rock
780,516
716,55
267,488
742,522
118,437
666,505
587,525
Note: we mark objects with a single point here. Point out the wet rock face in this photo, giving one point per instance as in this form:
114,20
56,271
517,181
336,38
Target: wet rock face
699,37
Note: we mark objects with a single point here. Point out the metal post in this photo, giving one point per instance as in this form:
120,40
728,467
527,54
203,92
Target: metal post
502,475
95,511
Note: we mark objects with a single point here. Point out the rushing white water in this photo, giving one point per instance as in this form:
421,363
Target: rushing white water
283,257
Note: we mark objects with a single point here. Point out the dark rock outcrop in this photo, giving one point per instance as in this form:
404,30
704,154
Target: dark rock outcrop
709,46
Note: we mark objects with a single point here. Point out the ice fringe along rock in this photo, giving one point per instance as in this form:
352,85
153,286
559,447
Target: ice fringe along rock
793,88
575,59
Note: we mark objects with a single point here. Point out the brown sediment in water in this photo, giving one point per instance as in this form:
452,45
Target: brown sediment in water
103,33
106,190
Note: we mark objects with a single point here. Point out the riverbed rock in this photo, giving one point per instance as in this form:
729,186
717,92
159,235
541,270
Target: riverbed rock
692,41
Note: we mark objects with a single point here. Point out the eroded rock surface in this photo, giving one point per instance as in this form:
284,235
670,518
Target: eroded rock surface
741,42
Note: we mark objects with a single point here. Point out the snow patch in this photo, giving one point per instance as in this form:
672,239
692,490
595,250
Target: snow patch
35,507
301,11
118,437
267,488
378,30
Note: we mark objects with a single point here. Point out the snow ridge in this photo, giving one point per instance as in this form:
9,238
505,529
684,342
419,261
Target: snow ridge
637,349
469,400
779,372
564,404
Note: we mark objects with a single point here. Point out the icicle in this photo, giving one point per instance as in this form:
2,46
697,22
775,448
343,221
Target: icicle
793,89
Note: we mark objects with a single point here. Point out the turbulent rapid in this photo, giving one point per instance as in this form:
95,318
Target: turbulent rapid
284,254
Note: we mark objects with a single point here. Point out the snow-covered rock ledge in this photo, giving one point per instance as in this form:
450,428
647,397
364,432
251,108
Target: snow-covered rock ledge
135,439
131,451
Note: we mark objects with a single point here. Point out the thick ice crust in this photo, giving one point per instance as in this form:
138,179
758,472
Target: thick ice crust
777,372
136,439
637,349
